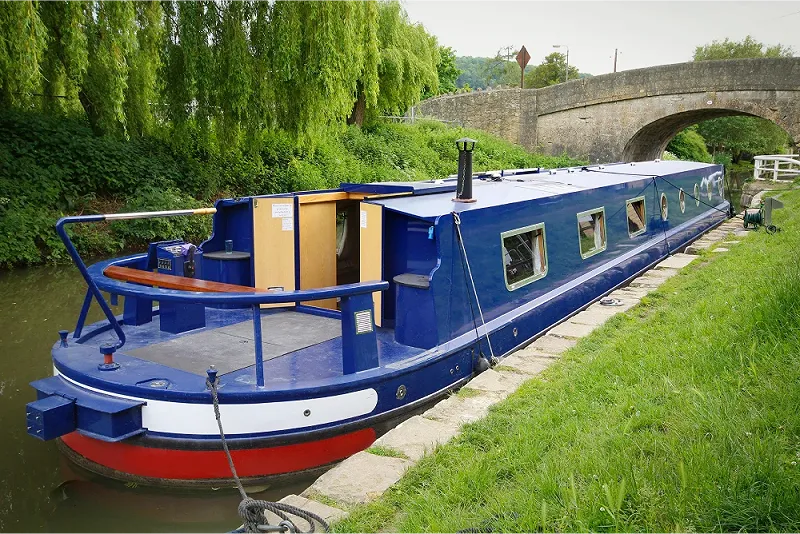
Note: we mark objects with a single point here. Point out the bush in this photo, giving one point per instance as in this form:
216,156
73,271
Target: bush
690,146
50,167
158,198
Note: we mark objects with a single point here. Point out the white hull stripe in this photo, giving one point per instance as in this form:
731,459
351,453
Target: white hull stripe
198,419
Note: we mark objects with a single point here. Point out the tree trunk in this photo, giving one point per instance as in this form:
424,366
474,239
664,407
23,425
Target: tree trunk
359,109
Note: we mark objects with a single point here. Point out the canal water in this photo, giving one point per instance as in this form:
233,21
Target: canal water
40,491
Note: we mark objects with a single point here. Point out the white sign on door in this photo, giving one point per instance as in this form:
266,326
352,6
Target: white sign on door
281,211
363,219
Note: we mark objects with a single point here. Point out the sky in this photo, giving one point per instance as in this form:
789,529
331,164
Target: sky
646,33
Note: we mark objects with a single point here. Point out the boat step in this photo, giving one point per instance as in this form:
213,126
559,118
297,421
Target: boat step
62,408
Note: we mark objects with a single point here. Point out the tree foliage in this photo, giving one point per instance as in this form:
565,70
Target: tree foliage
485,72
447,71
742,135
23,39
552,70
689,145
746,48
409,56
221,71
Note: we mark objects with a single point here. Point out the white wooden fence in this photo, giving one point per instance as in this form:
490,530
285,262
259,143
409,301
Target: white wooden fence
776,167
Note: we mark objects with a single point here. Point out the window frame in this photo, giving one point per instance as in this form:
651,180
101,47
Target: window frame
663,207
644,215
682,200
534,277
696,195
594,251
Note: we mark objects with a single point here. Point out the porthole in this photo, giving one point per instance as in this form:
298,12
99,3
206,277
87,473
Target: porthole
696,195
721,188
708,189
682,201
664,207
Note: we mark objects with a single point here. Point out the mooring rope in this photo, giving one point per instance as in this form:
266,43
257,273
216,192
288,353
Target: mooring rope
252,511
457,220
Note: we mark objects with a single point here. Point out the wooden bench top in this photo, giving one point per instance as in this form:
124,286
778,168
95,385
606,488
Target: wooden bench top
169,281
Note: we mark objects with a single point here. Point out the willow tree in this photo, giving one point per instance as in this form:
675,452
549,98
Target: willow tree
409,58
67,54
234,81
144,62
320,53
111,30
22,45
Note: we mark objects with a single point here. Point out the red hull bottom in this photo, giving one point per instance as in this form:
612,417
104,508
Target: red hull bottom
198,467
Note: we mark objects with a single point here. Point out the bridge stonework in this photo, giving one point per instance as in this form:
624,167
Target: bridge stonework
630,115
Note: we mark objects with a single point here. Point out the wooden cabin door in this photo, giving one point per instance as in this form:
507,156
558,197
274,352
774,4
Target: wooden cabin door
317,241
371,233
273,245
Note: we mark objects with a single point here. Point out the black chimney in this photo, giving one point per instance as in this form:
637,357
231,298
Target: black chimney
465,146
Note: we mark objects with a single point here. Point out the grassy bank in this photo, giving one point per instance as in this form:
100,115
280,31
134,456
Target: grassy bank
54,166
679,415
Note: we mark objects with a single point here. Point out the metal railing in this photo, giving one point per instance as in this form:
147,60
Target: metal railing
779,166
98,282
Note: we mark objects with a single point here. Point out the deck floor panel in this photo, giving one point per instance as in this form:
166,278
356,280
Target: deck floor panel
230,348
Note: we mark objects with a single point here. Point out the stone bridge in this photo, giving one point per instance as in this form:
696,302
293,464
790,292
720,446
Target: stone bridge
630,115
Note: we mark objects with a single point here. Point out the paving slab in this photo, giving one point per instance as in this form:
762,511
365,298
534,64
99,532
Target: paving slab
328,513
569,329
720,249
528,364
500,382
676,261
359,479
734,242
647,282
463,409
630,296
417,436
593,316
552,344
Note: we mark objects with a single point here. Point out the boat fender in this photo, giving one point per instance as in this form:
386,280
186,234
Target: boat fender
481,364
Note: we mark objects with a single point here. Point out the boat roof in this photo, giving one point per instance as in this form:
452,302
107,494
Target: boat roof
433,198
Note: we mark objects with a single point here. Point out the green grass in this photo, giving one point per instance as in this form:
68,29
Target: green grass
679,415
380,450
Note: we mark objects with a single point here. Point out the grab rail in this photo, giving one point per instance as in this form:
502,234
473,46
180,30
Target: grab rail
256,296
78,261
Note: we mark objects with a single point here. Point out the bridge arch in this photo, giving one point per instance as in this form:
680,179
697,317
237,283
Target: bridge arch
632,114
652,139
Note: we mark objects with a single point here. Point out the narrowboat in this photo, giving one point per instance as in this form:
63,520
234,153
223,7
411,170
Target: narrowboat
323,317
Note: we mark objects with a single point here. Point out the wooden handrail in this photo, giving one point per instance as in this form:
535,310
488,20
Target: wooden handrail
169,281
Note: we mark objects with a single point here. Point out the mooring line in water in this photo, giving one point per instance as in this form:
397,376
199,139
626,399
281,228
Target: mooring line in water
252,511
457,220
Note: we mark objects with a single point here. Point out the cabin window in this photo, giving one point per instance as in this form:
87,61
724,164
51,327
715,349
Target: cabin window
696,195
524,255
636,216
720,188
708,189
664,207
682,201
592,232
